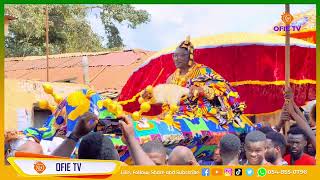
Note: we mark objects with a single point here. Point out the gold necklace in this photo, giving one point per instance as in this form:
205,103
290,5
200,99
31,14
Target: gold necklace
182,79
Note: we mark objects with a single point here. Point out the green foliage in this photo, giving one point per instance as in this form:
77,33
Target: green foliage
122,14
69,30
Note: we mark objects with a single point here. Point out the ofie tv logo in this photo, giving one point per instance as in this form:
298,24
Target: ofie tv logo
39,167
287,18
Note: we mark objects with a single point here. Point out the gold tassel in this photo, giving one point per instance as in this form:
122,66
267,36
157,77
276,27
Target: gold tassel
43,104
191,56
188,39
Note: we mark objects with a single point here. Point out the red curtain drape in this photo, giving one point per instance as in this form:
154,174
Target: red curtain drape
262,63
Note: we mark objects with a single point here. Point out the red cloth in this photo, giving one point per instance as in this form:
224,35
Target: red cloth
261,99
304,160
27,154
235,64
309,36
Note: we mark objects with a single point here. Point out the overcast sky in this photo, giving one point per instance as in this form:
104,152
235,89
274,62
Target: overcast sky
170,24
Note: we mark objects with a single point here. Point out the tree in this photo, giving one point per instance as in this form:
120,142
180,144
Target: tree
122,14
69,30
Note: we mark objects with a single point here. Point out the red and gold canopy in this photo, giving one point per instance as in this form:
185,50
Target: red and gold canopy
253,63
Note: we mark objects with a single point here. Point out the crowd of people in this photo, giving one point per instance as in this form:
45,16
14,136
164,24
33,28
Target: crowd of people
264,146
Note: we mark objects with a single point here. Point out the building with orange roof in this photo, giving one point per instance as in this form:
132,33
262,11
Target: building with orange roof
24,76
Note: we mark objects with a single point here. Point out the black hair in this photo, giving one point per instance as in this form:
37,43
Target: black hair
255,136
278,140
296,130
229,146
95,145
266,129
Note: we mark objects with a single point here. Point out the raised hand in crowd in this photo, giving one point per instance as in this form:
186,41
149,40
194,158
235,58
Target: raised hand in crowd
284,117
298,117
85,124
139,157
